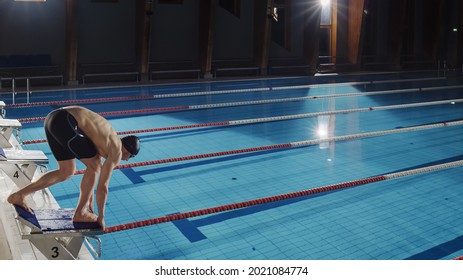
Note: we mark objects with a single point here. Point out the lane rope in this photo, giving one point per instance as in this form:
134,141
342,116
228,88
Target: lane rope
281,197
79,101
288,145
206,106
274,119
176,108
216,92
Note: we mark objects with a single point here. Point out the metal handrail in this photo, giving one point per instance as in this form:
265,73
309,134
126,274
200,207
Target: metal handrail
14,92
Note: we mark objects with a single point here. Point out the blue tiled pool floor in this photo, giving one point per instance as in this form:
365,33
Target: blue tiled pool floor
412,217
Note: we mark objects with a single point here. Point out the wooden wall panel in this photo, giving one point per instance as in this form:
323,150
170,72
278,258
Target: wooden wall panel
355,19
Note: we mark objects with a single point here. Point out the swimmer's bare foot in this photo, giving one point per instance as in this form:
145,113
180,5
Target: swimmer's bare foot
84,216
19,200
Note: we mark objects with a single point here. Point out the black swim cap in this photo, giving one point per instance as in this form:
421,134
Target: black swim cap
131,144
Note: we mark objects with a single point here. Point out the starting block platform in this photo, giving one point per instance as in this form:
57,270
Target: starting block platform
55,221
54,233
10,133
23,166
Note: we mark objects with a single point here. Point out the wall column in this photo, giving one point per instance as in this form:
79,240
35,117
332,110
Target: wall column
262,33
354,30
206,36
312,17
143,37
71,42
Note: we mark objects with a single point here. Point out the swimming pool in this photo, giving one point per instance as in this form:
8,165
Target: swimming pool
245,145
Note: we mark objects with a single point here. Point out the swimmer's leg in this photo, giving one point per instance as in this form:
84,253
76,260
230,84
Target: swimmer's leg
66,169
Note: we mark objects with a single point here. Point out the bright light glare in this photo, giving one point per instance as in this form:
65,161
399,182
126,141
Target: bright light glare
322,132
325,2
323,126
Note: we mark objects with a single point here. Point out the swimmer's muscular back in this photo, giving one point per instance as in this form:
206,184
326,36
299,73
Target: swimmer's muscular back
98,129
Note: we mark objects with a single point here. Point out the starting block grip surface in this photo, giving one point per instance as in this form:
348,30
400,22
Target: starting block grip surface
56,220
31,218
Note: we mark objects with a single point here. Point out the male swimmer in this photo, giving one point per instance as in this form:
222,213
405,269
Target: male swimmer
75,132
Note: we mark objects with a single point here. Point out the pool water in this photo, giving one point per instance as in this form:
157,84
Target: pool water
411,217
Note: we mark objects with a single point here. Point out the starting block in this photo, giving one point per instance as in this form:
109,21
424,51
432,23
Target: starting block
10,134
23,166
53,232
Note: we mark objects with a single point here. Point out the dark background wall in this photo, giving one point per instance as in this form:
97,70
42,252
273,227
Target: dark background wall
37,28
233,35
106,31
174,32
394,34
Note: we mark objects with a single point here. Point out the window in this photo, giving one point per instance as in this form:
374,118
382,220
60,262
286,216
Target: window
327,46
281,25
326,12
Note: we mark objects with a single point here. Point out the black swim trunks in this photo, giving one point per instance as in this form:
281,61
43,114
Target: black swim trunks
65,138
